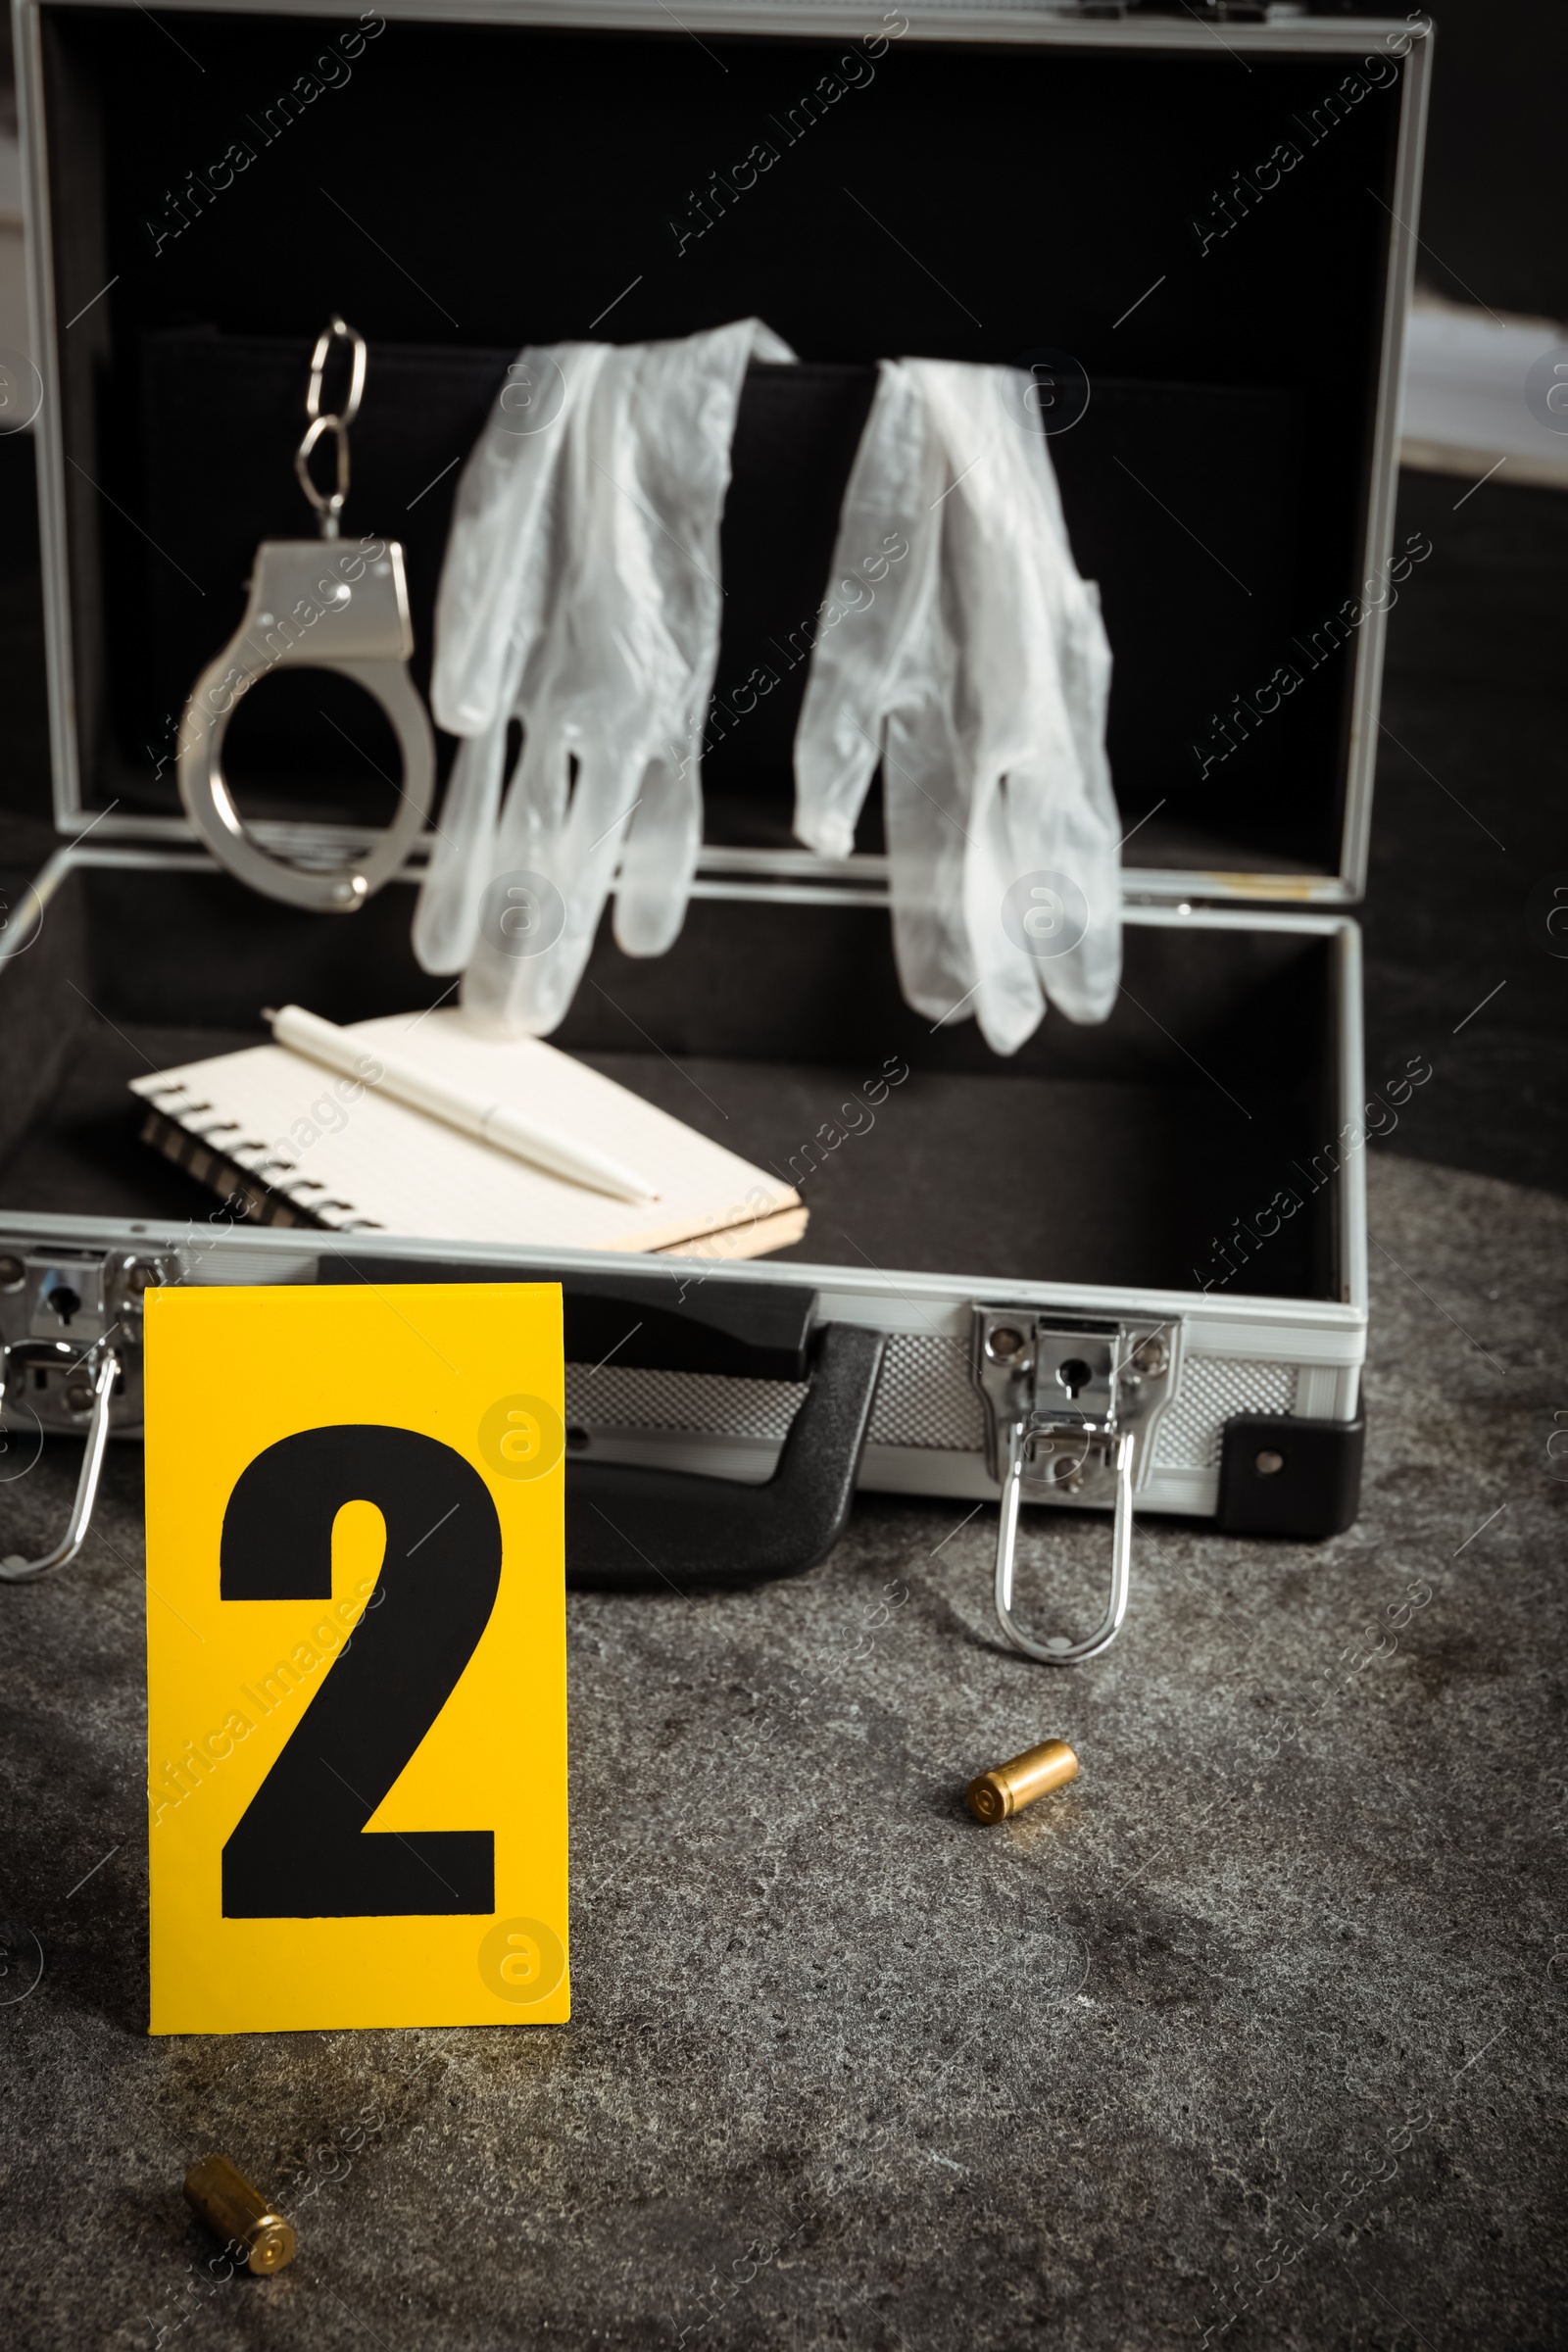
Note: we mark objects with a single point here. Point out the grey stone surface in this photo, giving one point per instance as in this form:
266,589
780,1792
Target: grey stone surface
1253,2036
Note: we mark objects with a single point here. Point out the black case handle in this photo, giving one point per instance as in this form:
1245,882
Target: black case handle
634,1529
629,1528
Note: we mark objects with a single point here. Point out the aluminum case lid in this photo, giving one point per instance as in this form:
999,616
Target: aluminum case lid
1198,250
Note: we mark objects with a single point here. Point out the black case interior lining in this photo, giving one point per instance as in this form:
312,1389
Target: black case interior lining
1125,1152
459,190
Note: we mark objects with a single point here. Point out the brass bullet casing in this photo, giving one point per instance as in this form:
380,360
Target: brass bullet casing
235,2210
1017,1783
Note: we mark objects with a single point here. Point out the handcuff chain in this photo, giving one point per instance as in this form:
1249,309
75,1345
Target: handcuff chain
329,506
337,331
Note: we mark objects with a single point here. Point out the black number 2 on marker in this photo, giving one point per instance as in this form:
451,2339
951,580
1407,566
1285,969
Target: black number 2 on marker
301,1849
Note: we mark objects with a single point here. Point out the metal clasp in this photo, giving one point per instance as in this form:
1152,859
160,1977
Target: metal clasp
72,1334
82,1381
1067,1404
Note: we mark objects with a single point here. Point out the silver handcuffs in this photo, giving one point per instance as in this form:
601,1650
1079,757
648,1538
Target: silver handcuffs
328,604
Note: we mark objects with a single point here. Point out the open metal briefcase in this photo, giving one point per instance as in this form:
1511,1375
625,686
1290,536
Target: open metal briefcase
1123,1271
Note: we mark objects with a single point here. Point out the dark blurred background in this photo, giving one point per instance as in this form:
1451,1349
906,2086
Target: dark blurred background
1491,217
1470,820
1471,816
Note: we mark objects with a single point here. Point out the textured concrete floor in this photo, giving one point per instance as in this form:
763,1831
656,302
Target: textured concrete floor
1254,2035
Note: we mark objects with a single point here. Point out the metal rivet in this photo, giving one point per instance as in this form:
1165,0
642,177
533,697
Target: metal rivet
12,1273
142,1277
1003,1344
1268,1462
1149,1356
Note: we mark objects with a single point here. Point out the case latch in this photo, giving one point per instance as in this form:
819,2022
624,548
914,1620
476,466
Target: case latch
1066,1405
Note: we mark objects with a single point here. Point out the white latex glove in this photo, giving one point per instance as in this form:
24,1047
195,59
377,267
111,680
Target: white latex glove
604,643
504,554
979,676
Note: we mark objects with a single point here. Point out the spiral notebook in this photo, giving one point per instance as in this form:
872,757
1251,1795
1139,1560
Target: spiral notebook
289,1142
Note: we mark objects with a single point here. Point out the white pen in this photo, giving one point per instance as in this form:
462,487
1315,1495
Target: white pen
492,1122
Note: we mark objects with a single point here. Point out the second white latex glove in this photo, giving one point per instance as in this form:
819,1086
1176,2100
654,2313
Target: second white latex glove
979,679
